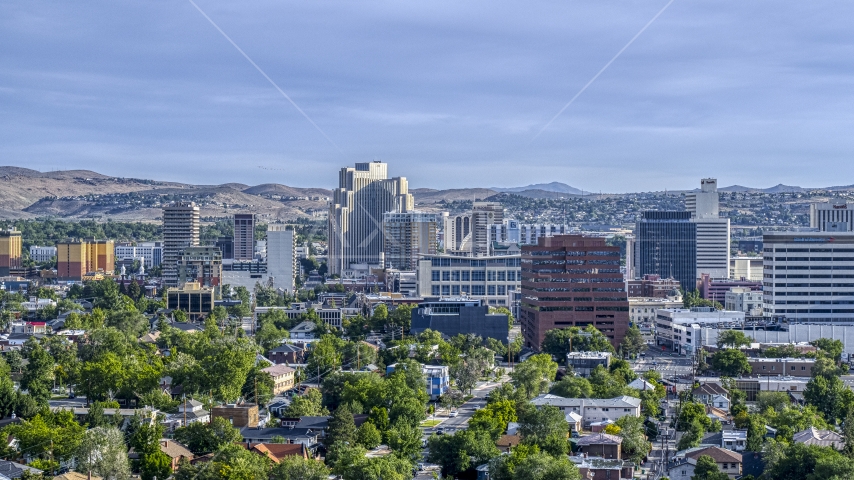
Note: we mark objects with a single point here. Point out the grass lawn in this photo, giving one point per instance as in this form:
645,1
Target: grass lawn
430,423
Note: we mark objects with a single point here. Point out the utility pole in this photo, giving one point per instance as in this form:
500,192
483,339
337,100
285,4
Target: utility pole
185,409
255,378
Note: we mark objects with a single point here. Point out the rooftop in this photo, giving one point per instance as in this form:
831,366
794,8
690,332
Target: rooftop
600,439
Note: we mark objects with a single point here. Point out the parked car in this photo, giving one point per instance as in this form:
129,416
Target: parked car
452,414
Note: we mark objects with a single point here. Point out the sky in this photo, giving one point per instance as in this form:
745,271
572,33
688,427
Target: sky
451,94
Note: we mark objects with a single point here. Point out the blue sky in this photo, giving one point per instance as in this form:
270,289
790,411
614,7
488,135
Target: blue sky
449,93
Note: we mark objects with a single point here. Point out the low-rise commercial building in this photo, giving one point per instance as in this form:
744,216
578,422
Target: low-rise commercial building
454,316
42,254
193,299
653,286
642,309
238,415
583,363
743,299
438,379
680,330
795,367
490,279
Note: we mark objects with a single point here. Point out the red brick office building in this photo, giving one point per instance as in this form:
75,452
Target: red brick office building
572,281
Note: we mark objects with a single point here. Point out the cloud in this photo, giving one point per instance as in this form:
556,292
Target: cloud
449,93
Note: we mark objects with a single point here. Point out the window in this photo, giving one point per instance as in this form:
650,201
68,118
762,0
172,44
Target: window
455,275
446,290
435,290
490,290
455,289
478,276
434,275
478,290
465,275
793,368
502,276
446,276
502,290
490,276
511,276
803,368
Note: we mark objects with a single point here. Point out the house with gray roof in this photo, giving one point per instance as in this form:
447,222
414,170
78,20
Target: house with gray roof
593,410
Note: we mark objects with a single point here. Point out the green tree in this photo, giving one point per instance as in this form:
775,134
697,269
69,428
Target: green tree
830,348
48,435
460,452
545,427
707,469
201,438
389,467
404,439
258,382
633,343
380,317
155,465
7,395
306,405
102,452
534,375
38,374
635,446
733,339
342,427
692,436
298,468
755,433
731,362
557,341
369,436
572,387
541,466
326,356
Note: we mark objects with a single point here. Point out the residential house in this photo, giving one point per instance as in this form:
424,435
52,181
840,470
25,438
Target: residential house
304,331
706,392
189,411
283,377
291,435
277,452
721,402
575,421
641,384
72,476
597,468
15,470
583,363
506,443
29,328
287,353
601,445
438,379
682,468
822,438
593,410
735,440
175,451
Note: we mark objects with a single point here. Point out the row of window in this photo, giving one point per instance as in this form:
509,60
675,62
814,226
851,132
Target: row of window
570,253
808,285
808,267
577,280
814,302
574,308
578,299
475,275
811,259
810,250
475,262
813,310
809,294
476,290
809,276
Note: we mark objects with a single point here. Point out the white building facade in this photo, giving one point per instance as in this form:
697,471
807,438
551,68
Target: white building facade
681,330
42,254
832,217
281,256
713,232
491,279
151,253
809,276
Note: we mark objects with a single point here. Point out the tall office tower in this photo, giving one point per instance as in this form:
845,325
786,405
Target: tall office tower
180,230
363,195
10,251
525,233
202,265
809,276
457,233
832,217
76,258
244,236
408,235
713,232
483,216
665,244
572,280
281,256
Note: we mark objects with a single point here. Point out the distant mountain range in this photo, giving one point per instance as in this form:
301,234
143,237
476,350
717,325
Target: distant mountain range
556,187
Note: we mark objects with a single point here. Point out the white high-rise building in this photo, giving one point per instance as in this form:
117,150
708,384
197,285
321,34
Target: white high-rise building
281,256
832,217
525,233
363,195
809,276
42,254
713,232
151,253
180,230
